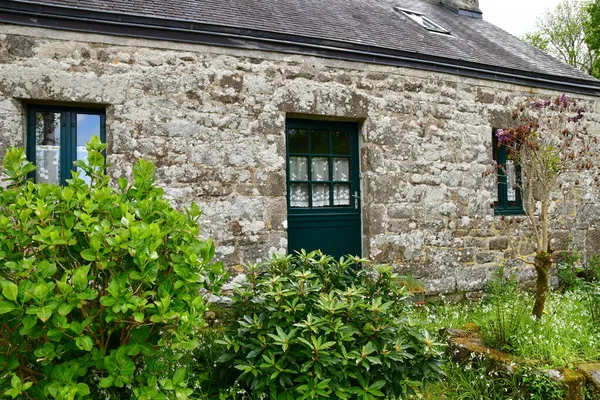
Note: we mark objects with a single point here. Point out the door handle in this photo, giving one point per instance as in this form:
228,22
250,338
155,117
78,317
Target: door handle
356,199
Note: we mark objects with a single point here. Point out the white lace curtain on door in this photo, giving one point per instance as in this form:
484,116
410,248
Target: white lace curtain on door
299,192
341,172
299,172
320,172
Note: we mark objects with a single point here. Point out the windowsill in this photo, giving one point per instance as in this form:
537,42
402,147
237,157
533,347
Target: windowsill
509,211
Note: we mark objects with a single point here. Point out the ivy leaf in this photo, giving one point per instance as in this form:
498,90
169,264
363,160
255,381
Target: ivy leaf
83,389
80,277
6,307
65,309
10,291
84,343
106,382
88,255
44,313
179,376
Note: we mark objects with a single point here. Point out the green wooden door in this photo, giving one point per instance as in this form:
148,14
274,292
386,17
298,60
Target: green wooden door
323,187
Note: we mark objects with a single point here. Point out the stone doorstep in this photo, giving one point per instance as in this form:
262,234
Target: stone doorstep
463,345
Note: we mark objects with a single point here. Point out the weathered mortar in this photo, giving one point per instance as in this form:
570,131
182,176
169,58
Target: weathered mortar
213,121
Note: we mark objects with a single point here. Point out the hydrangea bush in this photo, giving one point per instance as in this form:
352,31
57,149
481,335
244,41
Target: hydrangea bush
99,286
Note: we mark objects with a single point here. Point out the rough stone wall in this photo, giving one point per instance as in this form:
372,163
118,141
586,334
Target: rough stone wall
213,121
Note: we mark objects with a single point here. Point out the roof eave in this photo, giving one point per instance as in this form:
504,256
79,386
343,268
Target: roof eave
103,22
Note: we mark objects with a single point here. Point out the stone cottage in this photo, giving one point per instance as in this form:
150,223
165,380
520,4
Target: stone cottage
354,126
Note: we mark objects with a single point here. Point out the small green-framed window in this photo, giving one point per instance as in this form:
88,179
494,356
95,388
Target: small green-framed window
507,196
56,138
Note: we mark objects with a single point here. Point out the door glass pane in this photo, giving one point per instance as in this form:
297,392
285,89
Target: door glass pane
298,140
299,195
319,142
341,195
511,180
340,142
47,154
88,125
320,195
341,169
320,169
298,168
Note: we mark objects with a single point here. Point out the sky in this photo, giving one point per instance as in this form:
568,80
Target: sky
515,16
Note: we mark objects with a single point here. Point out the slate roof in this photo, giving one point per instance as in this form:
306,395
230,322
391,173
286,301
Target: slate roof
371,23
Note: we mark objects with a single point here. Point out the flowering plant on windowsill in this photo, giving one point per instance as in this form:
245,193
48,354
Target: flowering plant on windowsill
550,142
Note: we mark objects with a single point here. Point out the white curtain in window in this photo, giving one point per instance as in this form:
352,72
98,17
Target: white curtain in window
299,195
298,168
496,183
320,169
341,169
48,164
341,195
511,180
320,196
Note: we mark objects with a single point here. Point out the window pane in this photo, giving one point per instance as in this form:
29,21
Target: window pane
341,195
299,168
47,138
298,140
511,180
319,142
320,195
340,142
320,169
299,195
341,169
88,125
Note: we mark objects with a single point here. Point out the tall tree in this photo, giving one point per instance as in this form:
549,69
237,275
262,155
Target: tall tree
562,33
592,30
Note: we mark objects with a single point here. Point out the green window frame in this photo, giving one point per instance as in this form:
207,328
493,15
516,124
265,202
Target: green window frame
67,132
505,203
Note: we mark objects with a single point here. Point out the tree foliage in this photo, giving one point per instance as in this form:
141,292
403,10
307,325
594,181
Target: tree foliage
592,29
550,141
99,286
562,33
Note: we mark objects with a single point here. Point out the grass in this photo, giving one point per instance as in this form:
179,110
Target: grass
566,334
477,382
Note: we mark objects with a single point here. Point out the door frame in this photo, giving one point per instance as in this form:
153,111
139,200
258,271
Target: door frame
354,128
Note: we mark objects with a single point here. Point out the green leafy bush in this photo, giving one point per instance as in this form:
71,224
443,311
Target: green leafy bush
576,275
313,327
100,287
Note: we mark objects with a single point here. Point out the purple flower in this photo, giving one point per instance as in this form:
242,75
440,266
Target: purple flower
577,117
503,135
541,104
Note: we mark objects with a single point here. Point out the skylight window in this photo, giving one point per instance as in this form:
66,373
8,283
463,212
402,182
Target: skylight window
422,20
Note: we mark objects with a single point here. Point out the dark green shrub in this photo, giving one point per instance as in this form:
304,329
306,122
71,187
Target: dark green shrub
575,275
569,271
312,327
100,287
208,380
